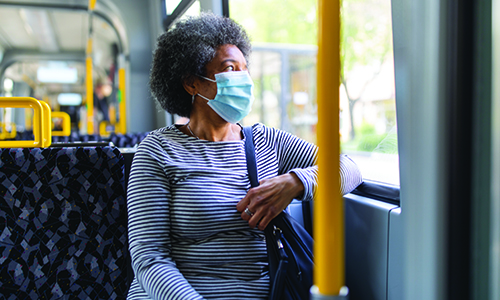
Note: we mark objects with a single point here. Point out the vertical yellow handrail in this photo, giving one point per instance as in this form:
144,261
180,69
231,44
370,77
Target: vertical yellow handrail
122,124
112,114
89,69
92,4
329,254
46,124
90,96
28,120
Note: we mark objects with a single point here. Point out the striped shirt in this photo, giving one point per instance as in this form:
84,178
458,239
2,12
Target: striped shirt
187,240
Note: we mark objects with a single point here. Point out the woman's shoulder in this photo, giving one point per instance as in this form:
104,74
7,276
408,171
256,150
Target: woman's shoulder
164,136
167,132
262,130
272,134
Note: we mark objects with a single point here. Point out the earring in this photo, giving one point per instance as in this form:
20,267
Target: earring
192,99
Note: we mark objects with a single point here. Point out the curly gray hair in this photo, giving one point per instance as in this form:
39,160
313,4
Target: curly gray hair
184,51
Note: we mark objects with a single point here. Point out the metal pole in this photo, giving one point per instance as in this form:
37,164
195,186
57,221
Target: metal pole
329,271
89,70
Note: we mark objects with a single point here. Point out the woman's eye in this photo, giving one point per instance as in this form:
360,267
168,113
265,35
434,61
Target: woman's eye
230,68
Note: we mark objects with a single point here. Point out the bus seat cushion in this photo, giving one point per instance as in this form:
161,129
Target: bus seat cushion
62,223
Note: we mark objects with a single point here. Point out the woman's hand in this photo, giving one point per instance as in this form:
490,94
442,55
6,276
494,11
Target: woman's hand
269,199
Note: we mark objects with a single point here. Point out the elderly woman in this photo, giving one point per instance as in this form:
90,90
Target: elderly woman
195,226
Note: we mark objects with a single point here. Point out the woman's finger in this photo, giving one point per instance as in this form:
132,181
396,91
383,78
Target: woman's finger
265,221
245,201
255,219
247,214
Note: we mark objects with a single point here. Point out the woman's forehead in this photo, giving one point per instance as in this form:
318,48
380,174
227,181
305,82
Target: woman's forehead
229,53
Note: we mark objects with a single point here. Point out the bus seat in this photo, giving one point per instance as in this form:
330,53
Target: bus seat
302,212
63,223
127,140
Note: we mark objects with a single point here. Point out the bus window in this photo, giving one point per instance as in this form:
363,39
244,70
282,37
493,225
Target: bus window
170,6
283,62
368,107
283,67
193,10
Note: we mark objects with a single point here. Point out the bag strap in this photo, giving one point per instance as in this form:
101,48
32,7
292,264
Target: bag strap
252,173
278,278
250,156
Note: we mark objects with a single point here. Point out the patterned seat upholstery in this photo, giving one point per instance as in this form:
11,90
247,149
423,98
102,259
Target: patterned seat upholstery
63,224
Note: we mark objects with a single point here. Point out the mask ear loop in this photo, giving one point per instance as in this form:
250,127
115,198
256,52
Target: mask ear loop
206,78
202,95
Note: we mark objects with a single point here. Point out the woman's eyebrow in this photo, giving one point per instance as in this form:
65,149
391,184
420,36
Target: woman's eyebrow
228,60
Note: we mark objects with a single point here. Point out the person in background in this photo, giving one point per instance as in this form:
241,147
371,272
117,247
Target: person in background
101,105
195,225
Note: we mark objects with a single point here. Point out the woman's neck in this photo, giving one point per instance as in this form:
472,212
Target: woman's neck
214,131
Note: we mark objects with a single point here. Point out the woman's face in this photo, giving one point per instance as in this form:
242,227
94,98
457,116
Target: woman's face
228,58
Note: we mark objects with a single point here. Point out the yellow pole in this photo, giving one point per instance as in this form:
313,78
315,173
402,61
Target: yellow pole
122,126
112,114
92,4
28,121
90,96
329,207
89,70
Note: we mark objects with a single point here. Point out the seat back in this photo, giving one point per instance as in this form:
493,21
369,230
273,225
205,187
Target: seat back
63,224
302,212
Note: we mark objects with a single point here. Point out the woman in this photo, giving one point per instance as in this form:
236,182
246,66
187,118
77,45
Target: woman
195,227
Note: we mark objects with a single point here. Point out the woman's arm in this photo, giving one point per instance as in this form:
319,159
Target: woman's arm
148,201
300,157
350,175
297,166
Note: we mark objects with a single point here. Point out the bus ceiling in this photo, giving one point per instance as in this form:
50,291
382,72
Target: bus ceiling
57,30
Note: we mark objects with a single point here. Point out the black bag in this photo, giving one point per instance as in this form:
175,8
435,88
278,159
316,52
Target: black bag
289,245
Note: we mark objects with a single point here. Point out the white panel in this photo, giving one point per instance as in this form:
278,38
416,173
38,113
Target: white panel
41,27
3,41
494,275
104,31
420,88
395,284
104,37
71,29
15,30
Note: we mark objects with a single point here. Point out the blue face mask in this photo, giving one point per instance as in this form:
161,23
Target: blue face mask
234,95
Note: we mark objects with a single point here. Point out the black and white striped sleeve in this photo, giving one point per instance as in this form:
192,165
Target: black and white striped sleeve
300,157
350,175
148,200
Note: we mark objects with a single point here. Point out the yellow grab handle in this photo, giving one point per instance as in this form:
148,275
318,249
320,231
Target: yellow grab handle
66,123
6,135
46,125
122,106
25,102
3,134
13,132
102,128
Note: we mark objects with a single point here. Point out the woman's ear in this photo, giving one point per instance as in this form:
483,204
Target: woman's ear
189,85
